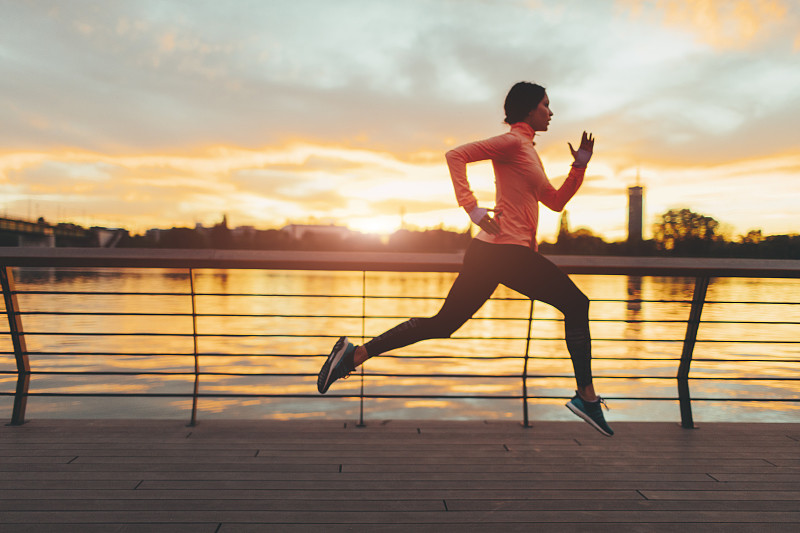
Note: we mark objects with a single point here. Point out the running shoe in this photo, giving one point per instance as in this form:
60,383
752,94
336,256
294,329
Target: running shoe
592,412
338,365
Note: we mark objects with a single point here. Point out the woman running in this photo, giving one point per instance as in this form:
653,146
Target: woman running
504,251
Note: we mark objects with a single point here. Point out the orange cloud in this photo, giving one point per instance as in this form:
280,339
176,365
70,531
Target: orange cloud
732,24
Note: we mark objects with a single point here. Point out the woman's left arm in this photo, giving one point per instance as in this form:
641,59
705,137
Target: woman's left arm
556,199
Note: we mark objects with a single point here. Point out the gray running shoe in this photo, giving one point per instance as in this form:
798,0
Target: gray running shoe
338,365
591,412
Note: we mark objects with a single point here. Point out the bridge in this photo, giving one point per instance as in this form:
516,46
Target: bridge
40,234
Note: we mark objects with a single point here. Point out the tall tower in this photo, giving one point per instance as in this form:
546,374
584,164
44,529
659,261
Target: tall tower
635,213
563,227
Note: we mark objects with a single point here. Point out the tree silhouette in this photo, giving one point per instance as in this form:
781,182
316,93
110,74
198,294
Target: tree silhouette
685,232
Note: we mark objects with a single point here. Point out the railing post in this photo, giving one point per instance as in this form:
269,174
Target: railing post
525,420
193,421
692,325
20,348
361,423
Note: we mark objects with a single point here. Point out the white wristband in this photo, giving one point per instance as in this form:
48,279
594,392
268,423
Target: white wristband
477,214
582,157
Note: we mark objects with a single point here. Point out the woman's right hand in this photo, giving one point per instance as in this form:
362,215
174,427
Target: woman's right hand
485,221
583,154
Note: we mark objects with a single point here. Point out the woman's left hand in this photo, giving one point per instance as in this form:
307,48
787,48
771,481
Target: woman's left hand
583,154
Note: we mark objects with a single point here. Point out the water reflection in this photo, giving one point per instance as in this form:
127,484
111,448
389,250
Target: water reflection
633,315
292,314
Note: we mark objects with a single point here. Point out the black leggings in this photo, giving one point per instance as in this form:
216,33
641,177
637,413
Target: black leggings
518,267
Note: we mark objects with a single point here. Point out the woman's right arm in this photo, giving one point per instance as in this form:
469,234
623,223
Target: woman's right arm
497,148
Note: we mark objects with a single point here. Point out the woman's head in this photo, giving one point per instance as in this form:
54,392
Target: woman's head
523,98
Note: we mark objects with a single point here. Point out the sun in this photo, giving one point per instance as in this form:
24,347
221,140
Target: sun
375,225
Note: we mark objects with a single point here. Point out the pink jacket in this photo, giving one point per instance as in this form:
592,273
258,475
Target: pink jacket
520,183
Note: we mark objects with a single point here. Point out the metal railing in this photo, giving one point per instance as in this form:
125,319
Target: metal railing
701,270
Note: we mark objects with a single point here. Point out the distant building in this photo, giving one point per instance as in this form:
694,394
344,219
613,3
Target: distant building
635,214
108,237
563,227
243,232
298,231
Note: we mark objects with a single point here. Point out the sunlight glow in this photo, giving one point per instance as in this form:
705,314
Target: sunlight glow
370,192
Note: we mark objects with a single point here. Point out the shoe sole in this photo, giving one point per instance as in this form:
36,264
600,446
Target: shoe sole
587,418
333,359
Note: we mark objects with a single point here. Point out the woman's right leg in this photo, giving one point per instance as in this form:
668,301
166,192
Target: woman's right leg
473,286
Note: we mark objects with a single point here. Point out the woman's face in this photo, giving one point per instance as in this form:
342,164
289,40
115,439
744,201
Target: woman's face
539,117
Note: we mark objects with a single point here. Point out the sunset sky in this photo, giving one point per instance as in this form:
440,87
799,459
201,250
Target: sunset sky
161,113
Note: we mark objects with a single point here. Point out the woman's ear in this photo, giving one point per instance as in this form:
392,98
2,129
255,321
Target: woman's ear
529,117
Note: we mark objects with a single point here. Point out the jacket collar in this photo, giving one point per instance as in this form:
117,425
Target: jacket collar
524,129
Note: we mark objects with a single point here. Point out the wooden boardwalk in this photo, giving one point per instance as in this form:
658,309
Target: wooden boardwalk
443,476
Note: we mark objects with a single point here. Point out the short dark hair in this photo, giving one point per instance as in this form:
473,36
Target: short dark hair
521,100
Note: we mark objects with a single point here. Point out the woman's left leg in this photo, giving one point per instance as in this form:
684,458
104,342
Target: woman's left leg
539,279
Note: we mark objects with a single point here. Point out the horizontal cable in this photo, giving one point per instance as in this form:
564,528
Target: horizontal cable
318,336
383,396
396,356
387,317
395,375
380,297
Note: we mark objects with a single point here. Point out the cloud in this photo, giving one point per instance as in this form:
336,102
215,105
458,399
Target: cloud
154,76
263,187
734,24
150,75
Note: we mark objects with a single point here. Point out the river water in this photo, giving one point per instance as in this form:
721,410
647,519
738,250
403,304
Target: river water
282,316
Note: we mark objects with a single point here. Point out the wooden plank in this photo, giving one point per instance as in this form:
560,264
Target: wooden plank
383,479
144,452
773,477
436,485
392,517
113,527
735,467
642,505
506,527
412,464
253,504
223,505
785,462
75,484
339,495
732,494
170,467
41,459
523,469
